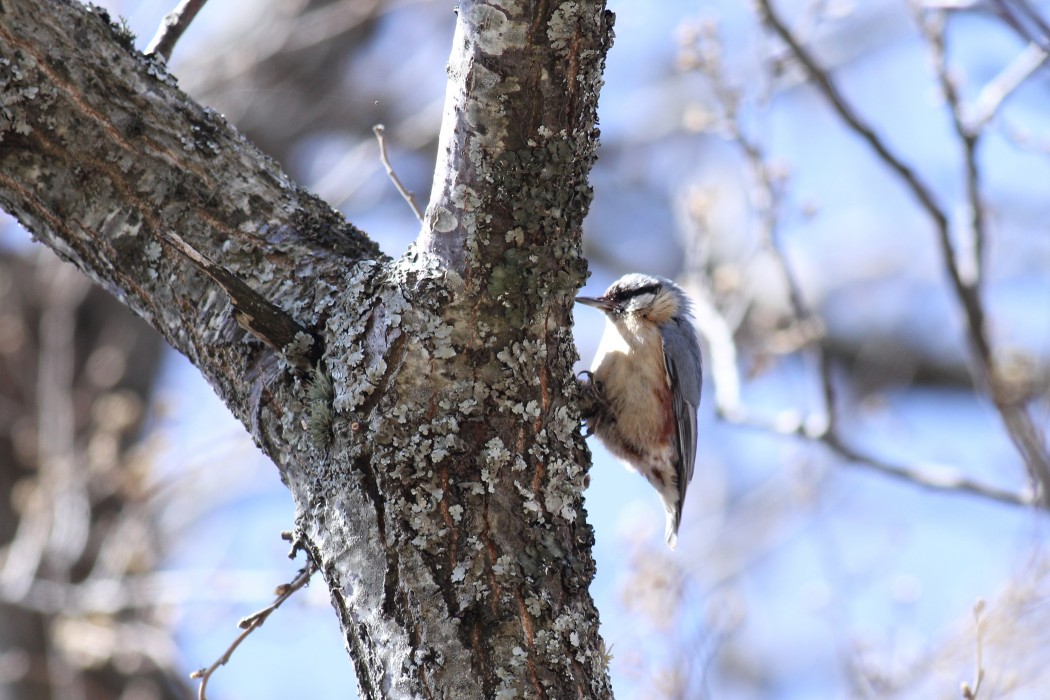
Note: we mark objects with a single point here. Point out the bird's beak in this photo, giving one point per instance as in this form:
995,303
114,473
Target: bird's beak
597,302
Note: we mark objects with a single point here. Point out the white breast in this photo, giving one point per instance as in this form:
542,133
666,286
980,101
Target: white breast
629,366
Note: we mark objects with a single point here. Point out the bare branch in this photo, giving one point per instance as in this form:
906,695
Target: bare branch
1025,436
933,28
380,132
718,332
1002,85
831,92
935,477
253,622
172,27
722,356
930,476
1021,17
720,362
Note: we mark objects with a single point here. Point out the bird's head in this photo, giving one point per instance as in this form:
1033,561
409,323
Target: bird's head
642,298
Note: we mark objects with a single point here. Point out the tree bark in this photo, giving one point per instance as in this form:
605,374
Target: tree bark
422,411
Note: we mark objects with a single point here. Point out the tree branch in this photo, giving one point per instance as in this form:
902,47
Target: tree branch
823,429
433,452
171,29
251,623
933,28
1021,17
1025,436
156,163
380,131
722,351
1003,85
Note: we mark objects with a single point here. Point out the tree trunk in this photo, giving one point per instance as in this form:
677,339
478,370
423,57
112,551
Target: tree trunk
422,411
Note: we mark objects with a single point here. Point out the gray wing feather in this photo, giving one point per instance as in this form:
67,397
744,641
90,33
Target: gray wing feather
684,370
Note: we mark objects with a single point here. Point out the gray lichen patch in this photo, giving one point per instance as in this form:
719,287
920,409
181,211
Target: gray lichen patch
496,30
121,222
417,380
442,220
21,94
354,366
319,397
564,23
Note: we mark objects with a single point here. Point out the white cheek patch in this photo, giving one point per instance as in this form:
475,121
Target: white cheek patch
638,303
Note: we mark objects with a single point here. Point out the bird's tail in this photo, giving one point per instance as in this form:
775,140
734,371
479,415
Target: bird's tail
674,514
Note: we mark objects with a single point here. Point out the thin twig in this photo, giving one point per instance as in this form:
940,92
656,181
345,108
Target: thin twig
1033,16
380,132
933,28
771,191
1025,436
935,477
172,27
820,429
852,119
769,208
770,186
251,623
970,692
1006,10
1003,85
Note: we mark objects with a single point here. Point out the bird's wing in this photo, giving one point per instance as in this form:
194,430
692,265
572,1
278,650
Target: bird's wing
683,363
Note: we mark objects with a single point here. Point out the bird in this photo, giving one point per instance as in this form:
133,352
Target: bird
642,391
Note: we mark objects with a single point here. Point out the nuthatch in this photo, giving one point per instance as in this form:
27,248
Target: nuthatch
645,385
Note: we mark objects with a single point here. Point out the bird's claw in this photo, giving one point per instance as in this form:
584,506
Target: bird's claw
592,400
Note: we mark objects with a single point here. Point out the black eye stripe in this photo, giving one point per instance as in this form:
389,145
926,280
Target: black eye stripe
621,295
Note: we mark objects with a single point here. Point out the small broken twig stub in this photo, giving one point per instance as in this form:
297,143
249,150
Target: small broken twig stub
380,132
253,622
171,29
254,313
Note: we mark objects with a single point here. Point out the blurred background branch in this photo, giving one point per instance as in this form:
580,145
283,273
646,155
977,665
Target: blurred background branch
76,375
965,279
